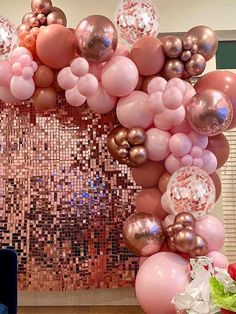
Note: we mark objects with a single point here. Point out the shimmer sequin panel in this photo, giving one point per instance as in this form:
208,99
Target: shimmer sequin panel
63,200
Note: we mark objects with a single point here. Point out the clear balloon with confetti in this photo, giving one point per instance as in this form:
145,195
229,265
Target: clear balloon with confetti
137,18
8,38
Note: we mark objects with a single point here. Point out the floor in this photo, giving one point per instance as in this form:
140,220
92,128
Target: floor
81,310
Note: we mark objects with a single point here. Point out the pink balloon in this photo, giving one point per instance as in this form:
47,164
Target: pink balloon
96,69
180,144
169,220
25,60
6,95
17,69
196,152
120,76
211,229
172,98
165,204
18,53
5,73
66,79
157,84
74,98
153,288
87,85
21,88
27,72
79,66
198,139
209,161
157,144
172,163
198,162
121,50
178,83
169,118
190,92
183,127
187,160
219,259
34,66
101,102
133,111
155,104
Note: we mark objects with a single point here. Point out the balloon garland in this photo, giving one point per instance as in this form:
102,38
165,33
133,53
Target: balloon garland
170,133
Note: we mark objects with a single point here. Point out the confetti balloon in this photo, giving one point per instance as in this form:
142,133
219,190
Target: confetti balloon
137,18
8,38
191,189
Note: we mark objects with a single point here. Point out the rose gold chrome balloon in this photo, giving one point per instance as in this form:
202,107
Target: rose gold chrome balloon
143,234
173,68
185,240
201,247
33,22
22,28
96,38
186,55
42,18
41,6
185,219
121,135
27,17
136,136
196,65
177,227
57,16
138,155
172,46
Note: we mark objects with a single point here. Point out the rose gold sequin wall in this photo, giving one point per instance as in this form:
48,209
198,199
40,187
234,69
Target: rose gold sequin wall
63,200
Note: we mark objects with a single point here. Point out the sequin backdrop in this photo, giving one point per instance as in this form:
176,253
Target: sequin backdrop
63,200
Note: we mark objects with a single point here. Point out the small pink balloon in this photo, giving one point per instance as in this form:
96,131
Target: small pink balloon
178,83
190,92
17,69
121,50
209,161
198,162
157,144
196,152
206,227
198,139
187,160
219,259
169,118
5,73
87,85
34,66
172,163
25,61
172,98
6,95
155,104
169,220
22,89
180,144
161,121
18,53
96,69
120,76
157,84
165,204
102,102
66,79
183,127
79,66
74,98
27,73
133,111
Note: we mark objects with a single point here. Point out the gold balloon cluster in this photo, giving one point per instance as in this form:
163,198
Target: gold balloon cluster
127,145
188,56
182,236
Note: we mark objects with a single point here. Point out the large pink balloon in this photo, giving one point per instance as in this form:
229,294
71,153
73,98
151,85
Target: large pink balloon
74,98
219,259
157,144
5,73
22,89
132,110
120,76
211,229
66,79
6,95
160,278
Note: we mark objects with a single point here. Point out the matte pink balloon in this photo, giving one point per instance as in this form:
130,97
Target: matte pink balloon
178,83
18,53
157,84
102,102
79,66
155,104
169,220
172,98
209,161
132,110
157,144
169,118
190,92
219,259
27,73
207,227
187,160
66,79
198,139
5,73
25,61
120,76
6,95
198,162
172,163
180,144
153,289
17,69
21,88
196,152
88,85
74,98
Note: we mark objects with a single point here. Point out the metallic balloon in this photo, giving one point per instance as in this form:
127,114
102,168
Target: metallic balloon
173,68
22,28
201,247
185,219
210,112
143,234
138,155
121,135
187,44
136,136
171,246
41,6
27,17
33,22
196,65
185,240
42,18
96,38
194,49
206,40
172,46
177,227
186,55
169,231
57,16
111,144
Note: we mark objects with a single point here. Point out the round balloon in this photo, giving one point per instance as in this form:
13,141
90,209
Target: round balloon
219,146
8,38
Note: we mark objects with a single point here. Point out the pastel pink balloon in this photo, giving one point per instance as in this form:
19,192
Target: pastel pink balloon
120,76
170,118
25,60
157,144
18,53
5,73
66,79
101,102
34,66
6,95
172,163
187,160
172,98
142,260
27,72
132,110
165,204
219,259
178,83
190,92
198,139
17,69
161,121
96,69
157,84
180,144
169,220
209,161
153,289
183,127
79,66
74,98
21,88
212,230
121,50
198,162
196,152
155,104
87,85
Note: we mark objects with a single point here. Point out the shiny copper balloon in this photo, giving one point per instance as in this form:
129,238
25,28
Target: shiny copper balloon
143,234
186,55
22,28
173,68
201,247
185,240
205,38
121,135
136,136
122,152
57,16
196,65
185,219
172,46
42,18
187,43
138,155
194,49
177,227
210,112
27,17
96,38
171,246
41,6
111,143
169,231
33,22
